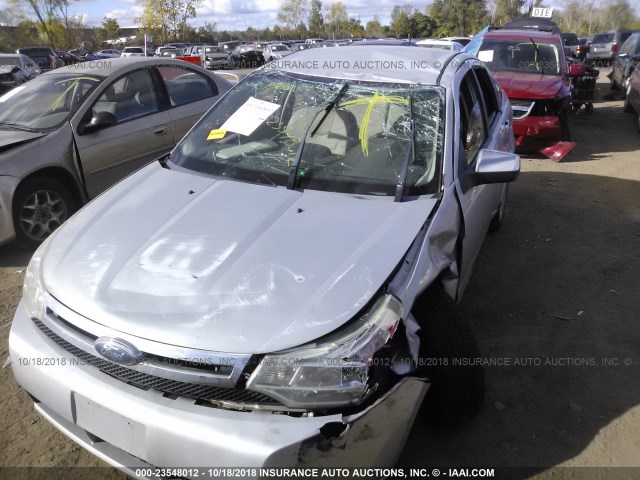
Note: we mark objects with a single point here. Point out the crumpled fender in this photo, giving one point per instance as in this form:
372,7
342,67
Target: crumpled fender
433,251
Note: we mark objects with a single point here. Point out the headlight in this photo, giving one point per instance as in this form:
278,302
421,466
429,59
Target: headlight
32,289
333,372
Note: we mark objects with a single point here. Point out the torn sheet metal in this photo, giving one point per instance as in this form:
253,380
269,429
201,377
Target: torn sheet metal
432,252
374,437
558,150
554,150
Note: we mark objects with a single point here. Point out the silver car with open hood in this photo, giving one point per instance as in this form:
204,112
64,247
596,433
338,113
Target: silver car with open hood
260,296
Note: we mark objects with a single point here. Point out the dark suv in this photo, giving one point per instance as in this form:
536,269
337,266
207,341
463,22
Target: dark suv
45,57
571,43
605,45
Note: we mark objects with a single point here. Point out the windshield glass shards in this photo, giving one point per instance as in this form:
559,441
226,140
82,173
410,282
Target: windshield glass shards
254,134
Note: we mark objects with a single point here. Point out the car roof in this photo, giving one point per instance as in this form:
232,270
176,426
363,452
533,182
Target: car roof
522,35
369,63
115,66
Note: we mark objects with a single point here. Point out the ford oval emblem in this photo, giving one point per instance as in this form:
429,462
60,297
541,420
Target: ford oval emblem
118,350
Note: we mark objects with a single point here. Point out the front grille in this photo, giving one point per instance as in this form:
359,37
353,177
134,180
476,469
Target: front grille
147,381
521,108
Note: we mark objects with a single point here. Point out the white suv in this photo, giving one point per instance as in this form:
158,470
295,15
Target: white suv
132,52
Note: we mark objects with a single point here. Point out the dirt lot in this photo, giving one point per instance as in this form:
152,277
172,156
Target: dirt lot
558,290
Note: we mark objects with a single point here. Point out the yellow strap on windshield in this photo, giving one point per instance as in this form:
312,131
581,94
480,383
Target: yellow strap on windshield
372,102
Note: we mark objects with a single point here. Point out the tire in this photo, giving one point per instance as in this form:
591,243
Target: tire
457,391
565,132
627,107
496,221
40,205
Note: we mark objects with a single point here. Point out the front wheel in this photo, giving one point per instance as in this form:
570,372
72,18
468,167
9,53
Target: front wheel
40,205
451,360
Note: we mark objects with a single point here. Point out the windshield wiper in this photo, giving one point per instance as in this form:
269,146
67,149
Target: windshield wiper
411,155
535,55
17,126
295,166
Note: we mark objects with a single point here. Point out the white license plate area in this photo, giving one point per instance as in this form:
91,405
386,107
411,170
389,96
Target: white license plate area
110,426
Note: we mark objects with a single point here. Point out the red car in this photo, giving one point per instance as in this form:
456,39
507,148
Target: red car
531,68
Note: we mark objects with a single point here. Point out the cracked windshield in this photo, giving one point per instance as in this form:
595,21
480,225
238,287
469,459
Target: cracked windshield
284,129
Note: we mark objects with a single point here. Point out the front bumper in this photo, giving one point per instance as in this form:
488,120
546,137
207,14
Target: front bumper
8,186
132,428
539,127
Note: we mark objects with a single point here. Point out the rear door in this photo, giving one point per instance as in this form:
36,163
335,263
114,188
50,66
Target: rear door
482,125
142,131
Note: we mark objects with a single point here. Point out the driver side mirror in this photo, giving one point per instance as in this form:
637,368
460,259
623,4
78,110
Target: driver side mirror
99,121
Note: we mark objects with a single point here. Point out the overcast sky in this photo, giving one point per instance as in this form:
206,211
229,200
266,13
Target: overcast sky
230,14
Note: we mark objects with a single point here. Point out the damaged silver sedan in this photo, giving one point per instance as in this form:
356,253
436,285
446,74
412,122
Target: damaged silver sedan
265,296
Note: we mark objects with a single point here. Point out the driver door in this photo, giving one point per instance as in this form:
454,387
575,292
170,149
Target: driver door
141,133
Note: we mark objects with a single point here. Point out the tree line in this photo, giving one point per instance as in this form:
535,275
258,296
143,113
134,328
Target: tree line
49,21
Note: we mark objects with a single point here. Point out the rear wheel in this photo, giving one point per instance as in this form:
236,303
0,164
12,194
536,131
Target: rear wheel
40,205
449,355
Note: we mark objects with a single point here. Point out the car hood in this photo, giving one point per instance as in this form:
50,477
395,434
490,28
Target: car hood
227,266
529,85
10,138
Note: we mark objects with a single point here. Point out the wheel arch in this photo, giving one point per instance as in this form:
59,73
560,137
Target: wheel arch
61,175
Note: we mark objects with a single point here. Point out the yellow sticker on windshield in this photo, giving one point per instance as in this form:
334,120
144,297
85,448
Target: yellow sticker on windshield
216,134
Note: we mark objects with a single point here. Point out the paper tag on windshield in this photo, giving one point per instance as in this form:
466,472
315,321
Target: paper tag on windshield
485,55
249,116
216,134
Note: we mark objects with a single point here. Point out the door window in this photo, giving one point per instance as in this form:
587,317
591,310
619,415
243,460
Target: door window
129,97
473,132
